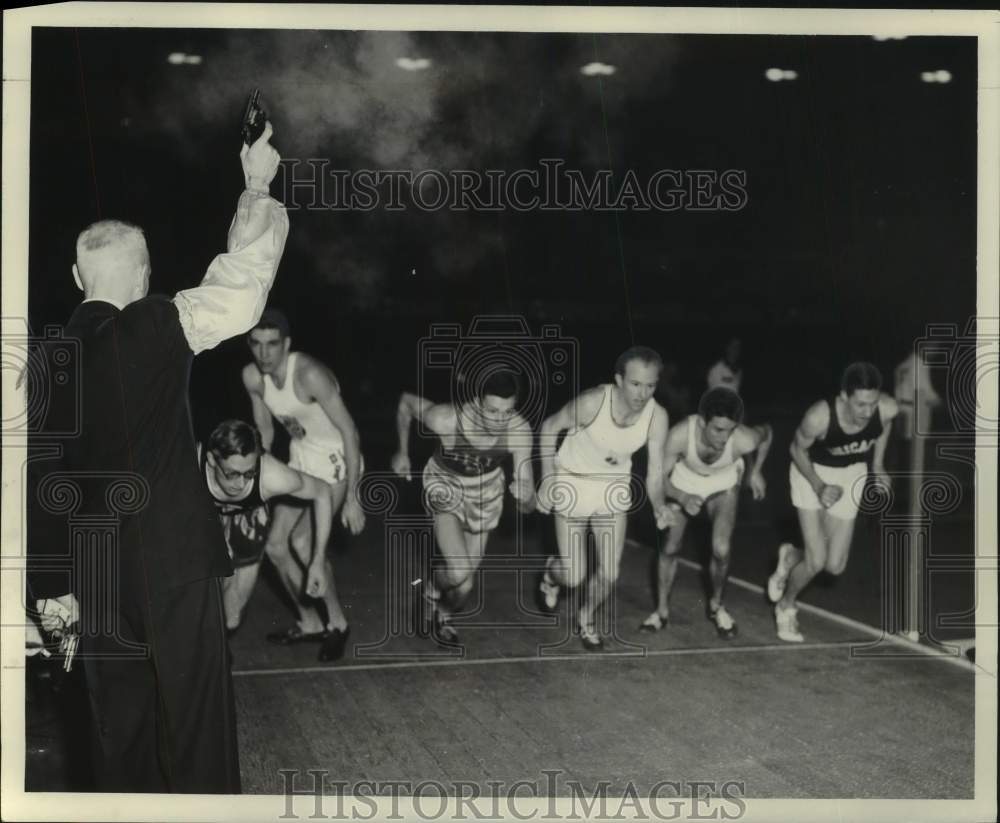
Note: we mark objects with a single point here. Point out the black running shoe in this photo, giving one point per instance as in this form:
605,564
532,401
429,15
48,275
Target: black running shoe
293,635
333,645
443,631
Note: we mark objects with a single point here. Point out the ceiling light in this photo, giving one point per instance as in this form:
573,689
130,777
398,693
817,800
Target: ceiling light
597,69
413,63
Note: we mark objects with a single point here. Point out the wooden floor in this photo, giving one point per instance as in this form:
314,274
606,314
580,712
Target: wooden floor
521,696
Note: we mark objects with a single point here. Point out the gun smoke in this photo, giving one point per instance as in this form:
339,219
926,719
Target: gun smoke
486,100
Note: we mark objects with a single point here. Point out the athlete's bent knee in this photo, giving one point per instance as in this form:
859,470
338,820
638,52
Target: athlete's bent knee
836,567
453,578
465,587
277,549
572,574
814,566
720,550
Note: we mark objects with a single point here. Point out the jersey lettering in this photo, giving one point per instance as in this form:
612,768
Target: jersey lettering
857,447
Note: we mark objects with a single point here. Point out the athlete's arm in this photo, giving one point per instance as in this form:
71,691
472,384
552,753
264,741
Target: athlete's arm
673,450
753,444
279,480
439,418
520,438
254,384
320,385
814,425
658,429
887,409
410,406
579,412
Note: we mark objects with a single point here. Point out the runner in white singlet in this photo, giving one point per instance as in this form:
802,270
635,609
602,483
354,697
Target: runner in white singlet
704,460
304,396
586,486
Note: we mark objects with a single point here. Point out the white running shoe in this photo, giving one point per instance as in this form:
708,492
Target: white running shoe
787,621
548,592
654,622
777,581
724,623
591,640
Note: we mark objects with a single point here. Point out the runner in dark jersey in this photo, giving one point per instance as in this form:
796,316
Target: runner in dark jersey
242,479
464,483
836,443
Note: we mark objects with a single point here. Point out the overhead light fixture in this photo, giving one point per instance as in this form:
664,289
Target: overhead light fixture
881,38
179,58
598,70
939,76
777,75
413,63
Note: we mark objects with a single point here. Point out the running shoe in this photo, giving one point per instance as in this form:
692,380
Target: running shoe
788,624
332,647
654,623
591,640
724,623
547,593
777,581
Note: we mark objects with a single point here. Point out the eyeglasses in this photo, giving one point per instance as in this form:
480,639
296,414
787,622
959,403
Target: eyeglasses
232,474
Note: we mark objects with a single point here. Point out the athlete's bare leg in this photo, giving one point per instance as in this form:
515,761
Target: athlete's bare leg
475,548
462,552
570,567
827,546
289,547
236,592
278,549
609,535
722,511
301,542
666,564
813,556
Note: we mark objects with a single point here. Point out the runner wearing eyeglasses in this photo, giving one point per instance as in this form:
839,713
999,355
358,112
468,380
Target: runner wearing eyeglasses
242,479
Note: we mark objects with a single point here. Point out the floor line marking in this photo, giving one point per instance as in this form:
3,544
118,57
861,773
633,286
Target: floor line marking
592,656
897,640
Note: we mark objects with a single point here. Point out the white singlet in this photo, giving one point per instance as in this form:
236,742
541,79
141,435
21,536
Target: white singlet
603,446
317,445
594,463
694,476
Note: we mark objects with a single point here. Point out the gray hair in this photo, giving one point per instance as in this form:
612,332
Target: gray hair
108,233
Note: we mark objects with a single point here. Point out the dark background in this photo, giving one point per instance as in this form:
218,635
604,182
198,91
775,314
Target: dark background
859,227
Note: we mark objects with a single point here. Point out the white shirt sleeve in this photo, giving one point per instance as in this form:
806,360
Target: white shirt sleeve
233,292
